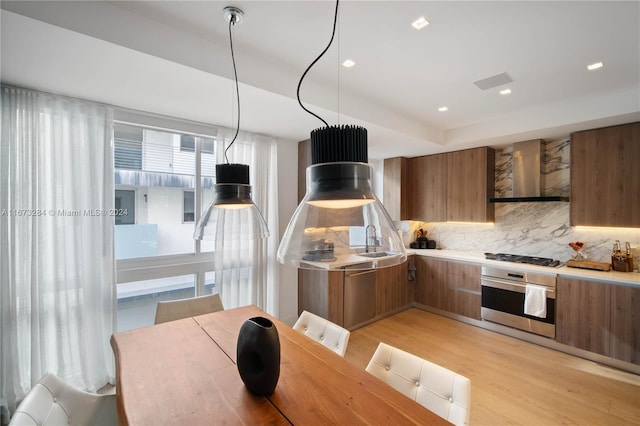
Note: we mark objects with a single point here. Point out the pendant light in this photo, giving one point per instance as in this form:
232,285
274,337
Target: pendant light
339,224
232,212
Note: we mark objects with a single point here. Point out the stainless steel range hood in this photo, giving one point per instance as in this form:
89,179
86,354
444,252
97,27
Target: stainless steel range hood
527,174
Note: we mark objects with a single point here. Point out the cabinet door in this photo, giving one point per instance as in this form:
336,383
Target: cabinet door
470,182
321,293
393,290
625,323
429,188
396,186
465,297
605,182
431,284
583,314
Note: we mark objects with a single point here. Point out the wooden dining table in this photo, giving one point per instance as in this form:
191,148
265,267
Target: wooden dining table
184,373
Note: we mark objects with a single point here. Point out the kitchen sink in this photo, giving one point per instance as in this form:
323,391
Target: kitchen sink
375,254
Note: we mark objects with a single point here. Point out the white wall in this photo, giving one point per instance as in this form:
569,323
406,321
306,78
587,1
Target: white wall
287,203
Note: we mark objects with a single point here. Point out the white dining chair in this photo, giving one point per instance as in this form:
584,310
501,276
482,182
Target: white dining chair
323,331
172,310
442,391
52,401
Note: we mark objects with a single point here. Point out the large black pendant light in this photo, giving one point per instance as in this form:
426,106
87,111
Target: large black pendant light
232,212
339,224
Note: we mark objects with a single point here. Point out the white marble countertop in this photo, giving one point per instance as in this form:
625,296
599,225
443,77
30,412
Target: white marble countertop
610,277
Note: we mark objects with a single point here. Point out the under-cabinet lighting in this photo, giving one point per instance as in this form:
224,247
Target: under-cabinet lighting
595,66
605,228
452,222
348,63
443,109
420,23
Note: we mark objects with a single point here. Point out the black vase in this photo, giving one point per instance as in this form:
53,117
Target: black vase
258,355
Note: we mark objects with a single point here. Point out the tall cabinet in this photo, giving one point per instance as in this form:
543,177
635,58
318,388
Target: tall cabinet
605,182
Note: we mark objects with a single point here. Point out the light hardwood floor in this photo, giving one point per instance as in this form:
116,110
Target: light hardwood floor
512,382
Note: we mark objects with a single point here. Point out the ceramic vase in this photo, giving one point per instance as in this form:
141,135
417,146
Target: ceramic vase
258,355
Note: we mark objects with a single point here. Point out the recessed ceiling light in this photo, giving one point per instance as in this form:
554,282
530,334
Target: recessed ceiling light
420,23
443,109
348,63
505,91
595,66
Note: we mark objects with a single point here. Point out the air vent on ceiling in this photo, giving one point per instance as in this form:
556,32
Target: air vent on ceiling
493,81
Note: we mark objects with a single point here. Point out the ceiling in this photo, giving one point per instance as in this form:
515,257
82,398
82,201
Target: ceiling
173,58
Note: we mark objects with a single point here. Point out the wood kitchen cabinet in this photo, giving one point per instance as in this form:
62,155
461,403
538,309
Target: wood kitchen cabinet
429,188
394,291
322,293
396,187
605,182
449,286
470,183
625,323
583,314
453,186
600,318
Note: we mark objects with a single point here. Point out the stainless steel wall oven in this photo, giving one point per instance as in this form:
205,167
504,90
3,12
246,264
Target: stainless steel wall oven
503,300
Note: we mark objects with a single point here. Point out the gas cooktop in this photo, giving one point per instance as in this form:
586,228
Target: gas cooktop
516,258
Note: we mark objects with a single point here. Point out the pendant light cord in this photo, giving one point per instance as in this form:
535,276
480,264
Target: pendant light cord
333,33
232,22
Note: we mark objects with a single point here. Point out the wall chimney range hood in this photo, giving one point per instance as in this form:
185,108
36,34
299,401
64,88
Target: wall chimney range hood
527,175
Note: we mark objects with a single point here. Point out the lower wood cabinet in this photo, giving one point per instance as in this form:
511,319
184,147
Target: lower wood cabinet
394,291
600,318
448,286
625,323
583,314
322,292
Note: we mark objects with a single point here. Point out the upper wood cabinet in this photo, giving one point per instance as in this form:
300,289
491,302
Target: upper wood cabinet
453,186
396,184
470,183
429,188
605,181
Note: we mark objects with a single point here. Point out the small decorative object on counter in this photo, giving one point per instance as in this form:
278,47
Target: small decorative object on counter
258,355
578,246
622,261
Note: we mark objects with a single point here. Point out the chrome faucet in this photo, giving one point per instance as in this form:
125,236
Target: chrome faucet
370,238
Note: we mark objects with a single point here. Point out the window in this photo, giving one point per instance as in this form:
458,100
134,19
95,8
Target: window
125,204
127,146
156,255
188,143
189,206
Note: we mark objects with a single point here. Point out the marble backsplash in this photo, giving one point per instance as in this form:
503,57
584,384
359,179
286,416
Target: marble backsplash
534,228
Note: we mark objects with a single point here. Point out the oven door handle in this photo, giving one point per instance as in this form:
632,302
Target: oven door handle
511,286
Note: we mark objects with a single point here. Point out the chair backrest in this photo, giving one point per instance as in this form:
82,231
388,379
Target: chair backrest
172,310
52,401
442,391
323,331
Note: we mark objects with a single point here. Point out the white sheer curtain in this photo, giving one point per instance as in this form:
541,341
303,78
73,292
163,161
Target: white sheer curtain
57,274
246,270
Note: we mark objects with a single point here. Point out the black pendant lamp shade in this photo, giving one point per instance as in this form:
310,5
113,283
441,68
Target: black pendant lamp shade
232,186
340,223
232,212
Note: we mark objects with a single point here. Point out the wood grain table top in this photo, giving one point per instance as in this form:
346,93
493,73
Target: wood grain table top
183,373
